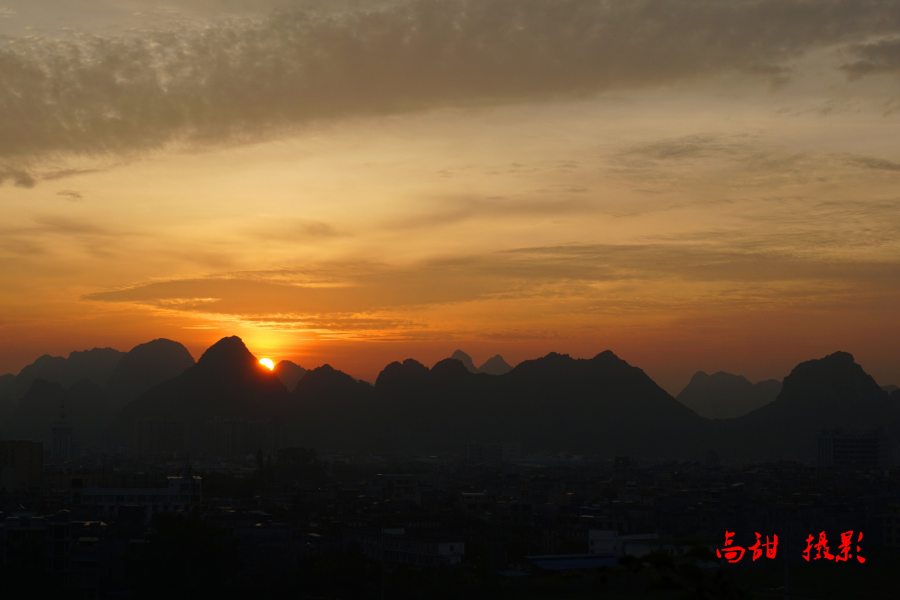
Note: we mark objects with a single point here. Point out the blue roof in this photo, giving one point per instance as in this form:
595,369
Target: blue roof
572,562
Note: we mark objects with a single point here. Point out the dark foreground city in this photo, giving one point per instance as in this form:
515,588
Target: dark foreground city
486,522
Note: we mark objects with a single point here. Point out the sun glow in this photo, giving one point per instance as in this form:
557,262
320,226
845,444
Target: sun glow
267,363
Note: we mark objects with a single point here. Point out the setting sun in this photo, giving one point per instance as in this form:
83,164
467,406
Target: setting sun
267,362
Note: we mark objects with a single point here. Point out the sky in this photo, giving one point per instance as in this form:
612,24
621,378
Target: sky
694,185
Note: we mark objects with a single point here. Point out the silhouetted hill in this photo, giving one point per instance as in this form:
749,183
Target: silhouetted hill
553,403
329,408
226,382
144,366
86,409
599,405
725,396
36,411
95,365
890,388
7,403
495,366
466,360
289,373
6,383
831,392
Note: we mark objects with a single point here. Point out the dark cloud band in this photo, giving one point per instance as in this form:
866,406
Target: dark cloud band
247,79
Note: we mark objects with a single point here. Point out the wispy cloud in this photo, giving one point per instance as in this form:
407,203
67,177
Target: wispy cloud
704,271
248,78
298,230
70,195
875,58
44,232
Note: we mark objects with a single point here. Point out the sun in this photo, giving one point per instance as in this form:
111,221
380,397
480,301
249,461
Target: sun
267,363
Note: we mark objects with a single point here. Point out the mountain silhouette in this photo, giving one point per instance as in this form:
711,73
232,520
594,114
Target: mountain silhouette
330,408
145,366
552,403
495,366
7,403
466,360
890,388
289,373
94,365
227,382
6,383
830,392
86,410
725,396
600,405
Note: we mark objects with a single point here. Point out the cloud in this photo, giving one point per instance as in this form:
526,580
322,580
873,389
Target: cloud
242,79
876,58
18,177
70,195
45,231
296,230
749,269
704,145
870,162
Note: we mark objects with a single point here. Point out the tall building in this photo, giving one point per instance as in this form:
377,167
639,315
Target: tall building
842,448
21,464
61,449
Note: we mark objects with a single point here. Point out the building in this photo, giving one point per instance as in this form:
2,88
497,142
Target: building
69,548
61,449
573,562
21,464
157,436
181,493
841,448
494,452
608,542
398,548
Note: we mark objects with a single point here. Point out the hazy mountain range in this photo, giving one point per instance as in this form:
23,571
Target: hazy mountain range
492,366
600,405
725,396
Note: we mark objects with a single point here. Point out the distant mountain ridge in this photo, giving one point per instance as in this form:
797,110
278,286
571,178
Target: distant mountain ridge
289,373
725,396
493,366
87,410
830,392
227,382
601,405
145,366
93,365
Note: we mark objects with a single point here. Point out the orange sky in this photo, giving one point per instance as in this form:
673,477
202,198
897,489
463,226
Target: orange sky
388,180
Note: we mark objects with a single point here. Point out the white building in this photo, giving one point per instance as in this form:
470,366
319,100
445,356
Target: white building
603,541
177,494
398,548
